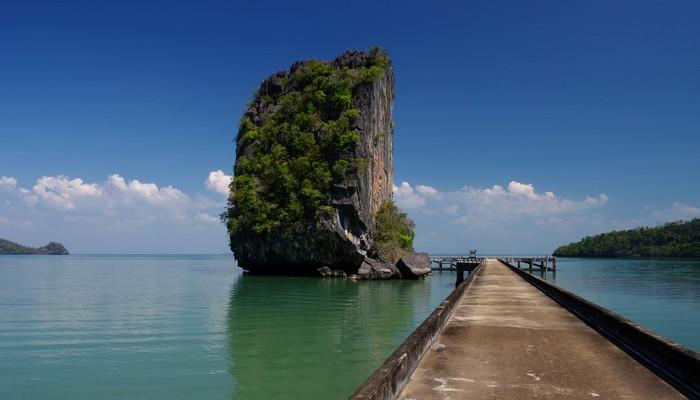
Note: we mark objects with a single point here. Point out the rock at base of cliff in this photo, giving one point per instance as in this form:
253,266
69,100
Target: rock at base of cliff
375,269
326,272
414,265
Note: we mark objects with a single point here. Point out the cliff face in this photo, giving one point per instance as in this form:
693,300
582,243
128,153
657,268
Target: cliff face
313,166
358,199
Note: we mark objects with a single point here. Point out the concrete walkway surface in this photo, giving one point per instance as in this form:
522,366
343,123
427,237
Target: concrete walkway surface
508,340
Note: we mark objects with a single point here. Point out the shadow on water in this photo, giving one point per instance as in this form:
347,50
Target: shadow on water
319,338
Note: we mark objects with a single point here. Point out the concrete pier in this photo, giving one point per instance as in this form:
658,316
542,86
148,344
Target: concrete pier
508,340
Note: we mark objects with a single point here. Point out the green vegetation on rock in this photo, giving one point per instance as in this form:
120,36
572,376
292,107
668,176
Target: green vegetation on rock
395,232
676,239
301,147
11,248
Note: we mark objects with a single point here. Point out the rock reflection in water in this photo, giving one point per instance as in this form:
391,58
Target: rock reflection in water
320,338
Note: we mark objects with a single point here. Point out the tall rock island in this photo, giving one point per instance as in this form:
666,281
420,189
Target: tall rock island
314,168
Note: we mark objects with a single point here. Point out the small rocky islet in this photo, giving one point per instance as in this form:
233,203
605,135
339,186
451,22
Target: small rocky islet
312,185
8,247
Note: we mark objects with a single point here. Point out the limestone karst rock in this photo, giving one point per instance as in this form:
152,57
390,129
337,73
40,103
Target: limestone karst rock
313,166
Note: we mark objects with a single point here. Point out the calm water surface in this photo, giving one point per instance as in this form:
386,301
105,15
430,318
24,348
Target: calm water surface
662,295
183,327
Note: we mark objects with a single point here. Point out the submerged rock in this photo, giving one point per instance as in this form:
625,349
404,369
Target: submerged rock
313,167
414,265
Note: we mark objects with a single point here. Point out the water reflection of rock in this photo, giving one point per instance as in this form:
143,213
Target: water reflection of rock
316,338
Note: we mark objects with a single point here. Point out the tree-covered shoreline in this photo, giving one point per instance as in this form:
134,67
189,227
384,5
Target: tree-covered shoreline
679,239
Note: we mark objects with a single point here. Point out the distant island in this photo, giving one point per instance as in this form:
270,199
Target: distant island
11,248
676,239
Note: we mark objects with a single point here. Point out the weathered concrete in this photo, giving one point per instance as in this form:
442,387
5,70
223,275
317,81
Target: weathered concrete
507,340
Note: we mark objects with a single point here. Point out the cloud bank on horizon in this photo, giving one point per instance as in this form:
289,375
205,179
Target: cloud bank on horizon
119,214
513,219
128,215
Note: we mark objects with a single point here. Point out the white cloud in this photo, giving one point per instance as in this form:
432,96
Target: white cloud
7,183
218,181
28,197
470,205
523,189
426,190
512,217
406,197
61,192
114,214
134,191
116,204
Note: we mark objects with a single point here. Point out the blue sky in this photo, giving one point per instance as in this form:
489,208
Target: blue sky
114,114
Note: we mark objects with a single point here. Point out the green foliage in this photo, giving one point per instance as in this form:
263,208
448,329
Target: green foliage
378,57
300,150
395,232
676,239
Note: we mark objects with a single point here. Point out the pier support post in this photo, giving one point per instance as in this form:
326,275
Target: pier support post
460,274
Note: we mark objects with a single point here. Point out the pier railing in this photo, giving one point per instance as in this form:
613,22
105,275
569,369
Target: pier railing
531,263
673,362
677,365
537,263
387,381
450,263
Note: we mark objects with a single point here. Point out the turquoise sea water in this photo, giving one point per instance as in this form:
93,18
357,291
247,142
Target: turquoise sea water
182,327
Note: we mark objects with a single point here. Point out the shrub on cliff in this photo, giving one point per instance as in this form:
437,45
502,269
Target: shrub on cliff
395,232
